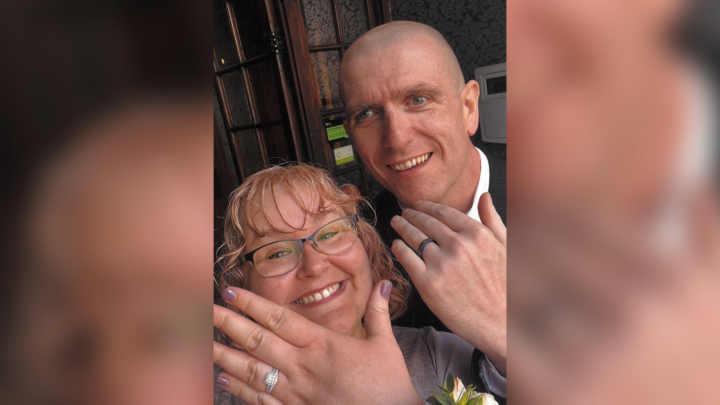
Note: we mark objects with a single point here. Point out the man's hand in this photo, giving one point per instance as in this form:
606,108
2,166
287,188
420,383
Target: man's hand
317,366
463,278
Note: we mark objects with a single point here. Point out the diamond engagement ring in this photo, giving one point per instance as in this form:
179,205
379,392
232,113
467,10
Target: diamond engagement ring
271,379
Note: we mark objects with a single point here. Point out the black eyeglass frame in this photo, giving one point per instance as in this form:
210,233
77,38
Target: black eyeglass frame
249,256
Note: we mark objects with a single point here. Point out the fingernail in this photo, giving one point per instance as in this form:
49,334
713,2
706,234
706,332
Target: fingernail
222,381
229,295
386,289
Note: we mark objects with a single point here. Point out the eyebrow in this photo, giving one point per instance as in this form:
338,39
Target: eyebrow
419,89
422,88
274,232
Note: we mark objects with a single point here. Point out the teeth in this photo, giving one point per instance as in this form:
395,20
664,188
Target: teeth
318,296
410,163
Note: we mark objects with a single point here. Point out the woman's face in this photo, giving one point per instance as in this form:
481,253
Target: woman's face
343,309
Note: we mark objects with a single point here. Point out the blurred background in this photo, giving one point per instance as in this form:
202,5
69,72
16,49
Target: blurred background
614,225
107,202
107,120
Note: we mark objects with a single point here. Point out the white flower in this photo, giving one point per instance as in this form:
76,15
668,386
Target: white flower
487,399
458,391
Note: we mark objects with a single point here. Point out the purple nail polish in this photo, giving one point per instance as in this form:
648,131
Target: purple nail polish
386,289
229,295
222,381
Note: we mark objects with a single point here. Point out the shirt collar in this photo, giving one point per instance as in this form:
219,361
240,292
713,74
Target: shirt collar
482,187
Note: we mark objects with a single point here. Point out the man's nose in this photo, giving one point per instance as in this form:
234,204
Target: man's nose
312,263
397,129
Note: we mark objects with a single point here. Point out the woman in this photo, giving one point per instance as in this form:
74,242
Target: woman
270,218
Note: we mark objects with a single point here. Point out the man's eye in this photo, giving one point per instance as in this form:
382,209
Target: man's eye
364,114
419,100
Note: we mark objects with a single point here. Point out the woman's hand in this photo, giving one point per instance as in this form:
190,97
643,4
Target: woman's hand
317,365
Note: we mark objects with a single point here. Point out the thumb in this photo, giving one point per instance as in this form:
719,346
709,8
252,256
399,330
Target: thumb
377,316
491,219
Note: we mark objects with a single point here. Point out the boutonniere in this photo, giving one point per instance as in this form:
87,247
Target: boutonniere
455,393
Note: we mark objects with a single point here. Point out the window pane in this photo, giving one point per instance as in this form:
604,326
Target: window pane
353,21
319,22
327,67
234,84
253,28
279,144
249,150
220,132
225,51
265,79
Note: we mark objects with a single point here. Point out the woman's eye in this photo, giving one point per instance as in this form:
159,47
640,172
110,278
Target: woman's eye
327,235
419,100
279,254
364,114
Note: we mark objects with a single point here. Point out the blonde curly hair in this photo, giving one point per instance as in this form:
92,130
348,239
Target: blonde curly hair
239,222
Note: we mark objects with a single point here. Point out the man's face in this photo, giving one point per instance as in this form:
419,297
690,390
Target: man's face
408,121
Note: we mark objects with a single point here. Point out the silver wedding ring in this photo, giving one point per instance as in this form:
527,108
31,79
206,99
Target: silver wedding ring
422,247
271,379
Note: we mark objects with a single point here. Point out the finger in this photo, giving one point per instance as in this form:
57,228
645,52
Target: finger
281,321
491,219
419,226
246,368
409,232
254,338
450,217
377,315
242,390
415,267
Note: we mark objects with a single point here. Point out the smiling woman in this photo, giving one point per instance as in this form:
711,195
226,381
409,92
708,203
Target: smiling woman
275,205
298,243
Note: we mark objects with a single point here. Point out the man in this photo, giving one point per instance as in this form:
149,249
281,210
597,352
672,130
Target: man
411,114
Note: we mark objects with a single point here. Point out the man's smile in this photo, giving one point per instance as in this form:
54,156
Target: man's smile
410,163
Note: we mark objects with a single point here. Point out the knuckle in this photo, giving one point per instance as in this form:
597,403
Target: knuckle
264,399
251,372
254,339
218,354
220,317
443,211
276,318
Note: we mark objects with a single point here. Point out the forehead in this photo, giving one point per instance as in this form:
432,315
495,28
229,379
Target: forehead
282,210
383,73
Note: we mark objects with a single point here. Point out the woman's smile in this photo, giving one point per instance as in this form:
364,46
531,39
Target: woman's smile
320,296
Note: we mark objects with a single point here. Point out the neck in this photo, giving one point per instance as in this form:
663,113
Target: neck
460,194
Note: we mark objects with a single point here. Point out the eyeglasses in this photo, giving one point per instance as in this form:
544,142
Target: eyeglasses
281,257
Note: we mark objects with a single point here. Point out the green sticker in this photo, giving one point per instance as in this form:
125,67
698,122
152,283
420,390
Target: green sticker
336,132
343,155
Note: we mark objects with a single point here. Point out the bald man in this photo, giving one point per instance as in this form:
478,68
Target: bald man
410,115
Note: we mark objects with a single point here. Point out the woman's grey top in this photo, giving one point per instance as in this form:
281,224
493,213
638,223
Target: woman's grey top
429,355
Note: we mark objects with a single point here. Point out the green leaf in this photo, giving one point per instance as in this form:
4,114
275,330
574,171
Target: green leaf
475,401
463,399
433,401
450,382
443,399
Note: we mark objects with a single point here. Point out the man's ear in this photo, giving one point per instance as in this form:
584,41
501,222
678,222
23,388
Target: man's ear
469,98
